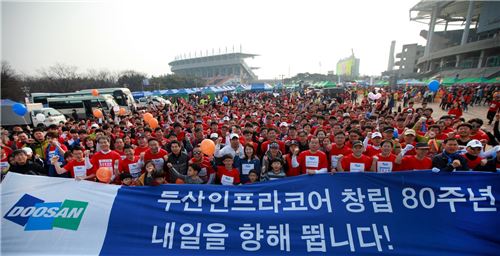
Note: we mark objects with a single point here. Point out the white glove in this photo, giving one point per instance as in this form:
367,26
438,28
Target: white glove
407,148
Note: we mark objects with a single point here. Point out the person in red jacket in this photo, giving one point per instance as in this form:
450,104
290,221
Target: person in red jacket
357,161
313,161
227,174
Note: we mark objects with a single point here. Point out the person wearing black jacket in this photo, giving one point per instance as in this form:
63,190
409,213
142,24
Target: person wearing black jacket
177,159
450,160
24,166
493,165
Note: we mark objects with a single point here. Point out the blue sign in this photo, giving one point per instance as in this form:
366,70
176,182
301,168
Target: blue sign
402,213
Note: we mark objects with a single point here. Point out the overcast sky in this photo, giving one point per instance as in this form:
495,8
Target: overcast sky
289,36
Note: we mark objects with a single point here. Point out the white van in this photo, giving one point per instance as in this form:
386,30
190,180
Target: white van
82,104
51,116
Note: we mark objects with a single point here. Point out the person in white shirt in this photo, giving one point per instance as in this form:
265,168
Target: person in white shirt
233,148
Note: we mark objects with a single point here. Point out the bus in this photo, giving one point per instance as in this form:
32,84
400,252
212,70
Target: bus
122,96
82,104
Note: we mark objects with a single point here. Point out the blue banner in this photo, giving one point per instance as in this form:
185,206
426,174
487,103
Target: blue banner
404,213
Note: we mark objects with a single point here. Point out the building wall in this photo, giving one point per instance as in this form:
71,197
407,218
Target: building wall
408,58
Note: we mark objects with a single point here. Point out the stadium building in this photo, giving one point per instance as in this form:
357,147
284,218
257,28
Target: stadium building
472,50
348,68
221,69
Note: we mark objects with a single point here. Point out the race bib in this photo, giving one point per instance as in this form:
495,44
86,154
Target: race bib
106,163
334,160
227,180
134,170
312,161
203,172
384,167
80,171
357,167
158,162
4,166
246,168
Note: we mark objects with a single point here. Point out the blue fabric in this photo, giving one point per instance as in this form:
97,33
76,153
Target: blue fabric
420,220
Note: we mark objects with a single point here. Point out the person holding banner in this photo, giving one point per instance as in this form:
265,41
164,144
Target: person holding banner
313,161
474,148
75,167
385,161
248,163
228,175
104,158
356,161
155,154
450,160
419,161
339,148
23,165
131,163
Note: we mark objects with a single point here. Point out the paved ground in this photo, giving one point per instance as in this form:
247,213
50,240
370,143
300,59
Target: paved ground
473,112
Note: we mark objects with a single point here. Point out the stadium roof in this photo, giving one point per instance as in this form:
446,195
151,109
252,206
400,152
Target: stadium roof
235,55
449,11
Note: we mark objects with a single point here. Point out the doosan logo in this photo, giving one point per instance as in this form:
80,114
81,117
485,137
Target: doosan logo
35,214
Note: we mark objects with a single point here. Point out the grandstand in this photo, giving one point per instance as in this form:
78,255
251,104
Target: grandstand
221,69
463,39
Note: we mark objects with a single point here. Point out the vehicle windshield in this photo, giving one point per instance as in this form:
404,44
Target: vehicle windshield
51,112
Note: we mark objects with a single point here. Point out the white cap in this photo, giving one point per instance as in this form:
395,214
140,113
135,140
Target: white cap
234,135
376,134
28,150
284,124
94,126
474,144
346,115
214,135
226,118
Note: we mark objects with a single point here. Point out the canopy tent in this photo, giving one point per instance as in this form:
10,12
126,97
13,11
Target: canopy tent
469,80
291,86
382,83
410,82
495,80
242,88
449,81
278,86
330,84
260,87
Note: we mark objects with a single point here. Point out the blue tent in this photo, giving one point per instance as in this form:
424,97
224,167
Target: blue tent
261,87
136,95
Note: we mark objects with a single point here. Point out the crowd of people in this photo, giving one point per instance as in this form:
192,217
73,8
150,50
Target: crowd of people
261,136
